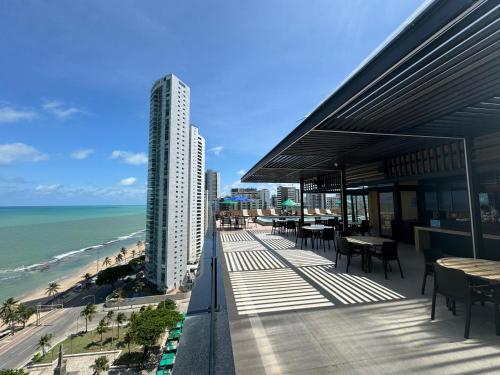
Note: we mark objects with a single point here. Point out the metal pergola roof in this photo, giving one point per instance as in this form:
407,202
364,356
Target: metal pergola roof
436,80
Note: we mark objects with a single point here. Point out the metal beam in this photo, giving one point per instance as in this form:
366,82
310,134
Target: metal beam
474,209
343,189
302,201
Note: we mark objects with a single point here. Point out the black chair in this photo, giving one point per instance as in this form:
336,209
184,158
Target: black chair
291,226
387,253
242,222
276,227
456,286
430,257
345,248
364,227
225,222
328,235
303,235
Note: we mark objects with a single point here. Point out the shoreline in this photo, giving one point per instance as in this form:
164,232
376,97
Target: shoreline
69,281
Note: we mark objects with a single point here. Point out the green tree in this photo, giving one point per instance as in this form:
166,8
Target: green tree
128,339
88,313
120,319
87,279
118,258
112,274
13,372
123,250
100,365
133,253
107,261
109,318
102,327
52,289
8,312
44,342
138,286
24,313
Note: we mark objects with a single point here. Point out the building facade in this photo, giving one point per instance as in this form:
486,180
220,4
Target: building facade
212,185
196,195
283,193
265,197
315,201
167,225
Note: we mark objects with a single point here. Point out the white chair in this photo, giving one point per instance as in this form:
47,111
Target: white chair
259,212
317,211
273,212
245,213
329,212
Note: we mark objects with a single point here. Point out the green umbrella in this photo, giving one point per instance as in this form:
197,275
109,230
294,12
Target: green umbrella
228,202
289,203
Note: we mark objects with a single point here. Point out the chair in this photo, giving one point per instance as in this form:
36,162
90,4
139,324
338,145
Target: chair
242,222
291,225
364,227
430,257
345,248
276,227
272,212
328,235
302,234
245,213
387,253
259,212
456,286
225,221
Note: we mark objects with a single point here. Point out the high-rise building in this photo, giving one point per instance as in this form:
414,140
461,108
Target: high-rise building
167,226
212,185
314,200
333,201
274,201
265,197
252,194
284,193
196,195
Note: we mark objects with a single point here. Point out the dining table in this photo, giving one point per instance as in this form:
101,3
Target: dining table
367,243
484,269
316,230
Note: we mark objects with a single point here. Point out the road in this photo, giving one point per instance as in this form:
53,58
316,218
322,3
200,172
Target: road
17,350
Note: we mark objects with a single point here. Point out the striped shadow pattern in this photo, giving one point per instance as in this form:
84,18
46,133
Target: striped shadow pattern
273,291
275,242
349,289
251,261
243,246
302,258
236,236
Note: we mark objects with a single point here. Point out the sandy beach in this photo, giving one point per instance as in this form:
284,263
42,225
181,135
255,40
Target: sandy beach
75,278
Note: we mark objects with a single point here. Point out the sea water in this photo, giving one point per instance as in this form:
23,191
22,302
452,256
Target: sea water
43,244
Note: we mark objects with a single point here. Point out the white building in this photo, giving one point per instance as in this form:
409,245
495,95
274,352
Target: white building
167,226
265,197
196,195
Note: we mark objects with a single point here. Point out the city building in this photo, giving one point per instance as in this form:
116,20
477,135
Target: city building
274,201
265,197
314,201
333,201
212,185
284,193
167,223
196,195
251,193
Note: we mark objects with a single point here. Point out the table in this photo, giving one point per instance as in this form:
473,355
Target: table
485,269
318,228
367,242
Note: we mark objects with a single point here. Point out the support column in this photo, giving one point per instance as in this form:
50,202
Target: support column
302,200
343,192
473,195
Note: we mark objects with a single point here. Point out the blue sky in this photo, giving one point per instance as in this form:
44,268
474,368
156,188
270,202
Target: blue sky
75,80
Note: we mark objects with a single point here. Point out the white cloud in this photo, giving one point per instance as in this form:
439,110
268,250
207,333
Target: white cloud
9,114
216,150
58,109
128,181
130,157
45,189
12,152
241,172
82,153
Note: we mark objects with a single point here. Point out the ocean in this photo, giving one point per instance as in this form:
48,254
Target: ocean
43,244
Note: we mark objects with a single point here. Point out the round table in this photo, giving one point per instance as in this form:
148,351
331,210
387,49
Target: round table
315,229
485,269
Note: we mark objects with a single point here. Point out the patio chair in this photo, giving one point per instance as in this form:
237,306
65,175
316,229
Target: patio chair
328,235
291,226
242,222
272,212
317,211
456,286
225,222
328,211
245,213
389,252
276,227
431,255
345,248
364,227
303,234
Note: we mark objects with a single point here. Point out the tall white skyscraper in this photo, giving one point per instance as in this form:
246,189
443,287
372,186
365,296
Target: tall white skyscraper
196,195
167,226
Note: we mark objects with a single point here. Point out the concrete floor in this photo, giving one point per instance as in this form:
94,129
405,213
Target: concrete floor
293,312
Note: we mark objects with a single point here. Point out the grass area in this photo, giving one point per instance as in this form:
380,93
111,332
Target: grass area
91,342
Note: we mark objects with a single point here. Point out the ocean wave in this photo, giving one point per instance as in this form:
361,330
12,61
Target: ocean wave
9,273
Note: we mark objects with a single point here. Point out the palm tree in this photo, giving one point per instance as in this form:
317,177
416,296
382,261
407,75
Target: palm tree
107,261
44,342
128,339
8,312
120,319
133,253
24,313
139,285
86,278
100,365
88,312
109,318
118,258
123,251
52,289
102,327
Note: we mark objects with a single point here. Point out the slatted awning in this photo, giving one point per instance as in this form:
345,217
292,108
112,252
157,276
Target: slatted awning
438,78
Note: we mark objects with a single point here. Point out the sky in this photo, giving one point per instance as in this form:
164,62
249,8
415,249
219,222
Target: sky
75,79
